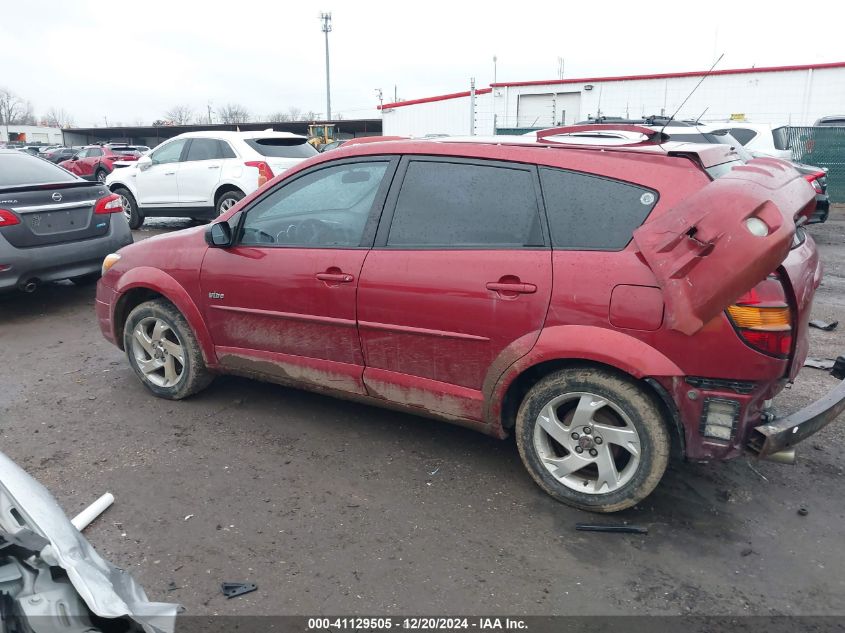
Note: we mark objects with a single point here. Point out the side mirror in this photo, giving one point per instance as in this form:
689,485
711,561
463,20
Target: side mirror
145,162
222,234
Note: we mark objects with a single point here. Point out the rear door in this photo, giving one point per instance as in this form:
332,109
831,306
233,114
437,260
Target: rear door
199,174
281,302
156,182
459,278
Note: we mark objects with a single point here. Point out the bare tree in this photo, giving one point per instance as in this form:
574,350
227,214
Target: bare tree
12,106
309,116
278,117
58,117
233,113
180,114
295,113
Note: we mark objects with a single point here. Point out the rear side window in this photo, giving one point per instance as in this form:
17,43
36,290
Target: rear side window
203,149
280,147
593,213
226,150
24,169
780,136
452,205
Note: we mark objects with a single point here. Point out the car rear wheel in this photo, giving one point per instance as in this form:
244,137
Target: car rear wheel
227,201
100,175
164,352
130,208
592,439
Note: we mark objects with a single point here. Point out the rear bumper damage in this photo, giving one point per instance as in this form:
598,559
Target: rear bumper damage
781,434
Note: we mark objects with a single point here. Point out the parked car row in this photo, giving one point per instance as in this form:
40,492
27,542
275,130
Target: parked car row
203,174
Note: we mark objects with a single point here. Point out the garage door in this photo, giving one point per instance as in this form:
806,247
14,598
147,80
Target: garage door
547,110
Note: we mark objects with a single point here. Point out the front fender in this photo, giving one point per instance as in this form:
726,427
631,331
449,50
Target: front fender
586,343
158,281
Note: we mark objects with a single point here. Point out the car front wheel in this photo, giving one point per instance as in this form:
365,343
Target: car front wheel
163,351
592,439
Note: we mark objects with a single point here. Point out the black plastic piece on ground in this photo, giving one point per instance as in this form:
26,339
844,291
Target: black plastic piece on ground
824,325
838,370
620,529
232,589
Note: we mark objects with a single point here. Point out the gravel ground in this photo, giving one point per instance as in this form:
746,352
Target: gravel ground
332,507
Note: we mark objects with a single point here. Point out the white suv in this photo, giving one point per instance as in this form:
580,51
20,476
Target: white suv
202,174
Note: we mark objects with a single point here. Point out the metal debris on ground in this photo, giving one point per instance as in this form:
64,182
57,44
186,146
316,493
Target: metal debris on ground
824,325
232,589
819,363
609,527
838,370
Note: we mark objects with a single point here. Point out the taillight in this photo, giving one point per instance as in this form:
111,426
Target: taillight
815,180
763,318
109,204
7,218
264,171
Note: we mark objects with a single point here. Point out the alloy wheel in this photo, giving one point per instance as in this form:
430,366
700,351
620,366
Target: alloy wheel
158,352
127,208
587,443
227,204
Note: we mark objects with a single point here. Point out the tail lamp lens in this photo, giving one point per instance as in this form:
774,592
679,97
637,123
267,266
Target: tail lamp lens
109,204
7,218
763,319
264,171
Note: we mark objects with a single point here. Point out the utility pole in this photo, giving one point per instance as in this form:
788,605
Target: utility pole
209,112
380,97
495,59
327,28
472,106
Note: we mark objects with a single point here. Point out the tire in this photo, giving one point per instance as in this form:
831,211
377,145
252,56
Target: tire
85,280
163,376
227,201
626,429
100,175
130,208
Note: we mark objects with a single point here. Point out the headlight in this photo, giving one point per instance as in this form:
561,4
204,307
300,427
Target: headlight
110,260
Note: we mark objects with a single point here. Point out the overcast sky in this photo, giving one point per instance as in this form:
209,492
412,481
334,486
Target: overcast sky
131,61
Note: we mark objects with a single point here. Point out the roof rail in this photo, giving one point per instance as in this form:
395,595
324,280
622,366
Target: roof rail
653,137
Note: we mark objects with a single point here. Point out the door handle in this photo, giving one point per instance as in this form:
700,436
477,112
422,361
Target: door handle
214,166
519,288
169,173
337,278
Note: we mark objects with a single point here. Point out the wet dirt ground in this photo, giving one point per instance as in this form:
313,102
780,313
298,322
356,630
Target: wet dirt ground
332,507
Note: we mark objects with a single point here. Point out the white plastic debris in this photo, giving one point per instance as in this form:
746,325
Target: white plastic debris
87,516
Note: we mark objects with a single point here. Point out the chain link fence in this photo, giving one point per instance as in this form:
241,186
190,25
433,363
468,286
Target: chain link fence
822,147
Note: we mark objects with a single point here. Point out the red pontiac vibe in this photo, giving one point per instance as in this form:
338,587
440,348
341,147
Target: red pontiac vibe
607,305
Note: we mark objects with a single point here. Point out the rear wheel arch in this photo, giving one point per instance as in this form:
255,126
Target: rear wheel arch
224,189
520,386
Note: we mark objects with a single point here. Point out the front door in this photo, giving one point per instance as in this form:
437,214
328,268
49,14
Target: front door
280,304
156,181
457,284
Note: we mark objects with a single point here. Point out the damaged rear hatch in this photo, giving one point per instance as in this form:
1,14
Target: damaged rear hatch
725,238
